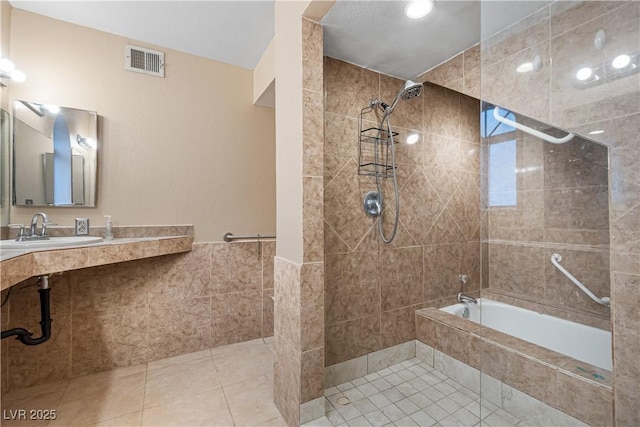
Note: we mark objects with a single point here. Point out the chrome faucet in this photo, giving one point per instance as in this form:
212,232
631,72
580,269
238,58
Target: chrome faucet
33,235
463,298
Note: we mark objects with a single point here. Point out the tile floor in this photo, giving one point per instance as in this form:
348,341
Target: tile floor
233,386
409,394
225,386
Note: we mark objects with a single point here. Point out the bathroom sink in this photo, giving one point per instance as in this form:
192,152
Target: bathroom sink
53,242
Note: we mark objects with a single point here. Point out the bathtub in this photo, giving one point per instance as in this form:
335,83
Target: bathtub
581,342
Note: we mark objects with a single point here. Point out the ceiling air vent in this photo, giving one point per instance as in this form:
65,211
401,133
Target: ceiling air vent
143,60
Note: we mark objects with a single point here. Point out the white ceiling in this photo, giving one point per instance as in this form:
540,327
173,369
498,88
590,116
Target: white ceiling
377,35
234,32
372,34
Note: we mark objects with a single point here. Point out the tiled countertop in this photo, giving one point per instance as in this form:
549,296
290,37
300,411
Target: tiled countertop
17,265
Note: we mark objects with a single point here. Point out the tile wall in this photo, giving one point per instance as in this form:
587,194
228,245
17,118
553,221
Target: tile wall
461,73
135,312
576,388
560,205
299,294
563,34
372,289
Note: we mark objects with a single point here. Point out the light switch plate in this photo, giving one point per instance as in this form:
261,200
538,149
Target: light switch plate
82,226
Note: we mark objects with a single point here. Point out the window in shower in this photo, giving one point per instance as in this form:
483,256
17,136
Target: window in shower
502,157
489,126
502,174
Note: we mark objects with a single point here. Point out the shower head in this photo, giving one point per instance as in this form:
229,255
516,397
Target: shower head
410,90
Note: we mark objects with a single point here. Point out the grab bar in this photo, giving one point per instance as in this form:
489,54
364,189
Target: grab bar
531,131
229,237
555,259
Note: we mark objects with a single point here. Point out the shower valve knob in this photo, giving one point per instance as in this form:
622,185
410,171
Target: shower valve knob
372,204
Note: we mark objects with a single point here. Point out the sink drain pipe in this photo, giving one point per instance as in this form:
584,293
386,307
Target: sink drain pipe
22,334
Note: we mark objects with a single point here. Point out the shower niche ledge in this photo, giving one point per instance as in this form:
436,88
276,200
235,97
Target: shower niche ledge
18,265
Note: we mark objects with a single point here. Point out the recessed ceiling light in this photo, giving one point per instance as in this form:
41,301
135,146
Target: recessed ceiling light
596,132
417,9
584,73
621,61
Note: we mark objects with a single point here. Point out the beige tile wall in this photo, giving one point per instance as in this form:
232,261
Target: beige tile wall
562,206
372,289
563,35
134,312
460,73
553,378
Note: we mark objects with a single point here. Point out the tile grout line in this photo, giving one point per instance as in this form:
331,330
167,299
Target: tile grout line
144,391
457,388
226,400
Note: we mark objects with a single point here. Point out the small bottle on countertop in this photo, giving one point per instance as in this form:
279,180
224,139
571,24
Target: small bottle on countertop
108,232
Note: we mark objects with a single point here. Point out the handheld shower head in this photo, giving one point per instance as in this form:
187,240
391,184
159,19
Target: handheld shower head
410,90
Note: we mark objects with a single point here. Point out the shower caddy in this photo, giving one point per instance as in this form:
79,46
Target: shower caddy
374,158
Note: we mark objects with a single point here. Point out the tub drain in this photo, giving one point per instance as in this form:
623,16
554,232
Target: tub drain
343,400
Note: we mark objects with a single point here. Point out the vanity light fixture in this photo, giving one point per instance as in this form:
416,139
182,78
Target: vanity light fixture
53,109
6,65
86,143
8,71
18,76
417,9
412,138
534,65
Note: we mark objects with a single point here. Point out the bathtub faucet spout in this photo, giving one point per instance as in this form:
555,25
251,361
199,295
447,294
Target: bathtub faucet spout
463,298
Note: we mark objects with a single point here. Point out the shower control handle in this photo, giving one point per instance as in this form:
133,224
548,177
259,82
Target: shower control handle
372,204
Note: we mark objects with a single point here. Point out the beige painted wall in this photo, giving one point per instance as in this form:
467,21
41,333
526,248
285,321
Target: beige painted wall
5,29
264,76
189,148
288,69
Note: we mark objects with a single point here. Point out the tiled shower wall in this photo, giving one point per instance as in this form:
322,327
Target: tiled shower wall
135,312
561,205
372,289
563,35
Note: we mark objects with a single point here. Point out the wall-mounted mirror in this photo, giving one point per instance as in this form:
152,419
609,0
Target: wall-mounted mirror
54,155
4,167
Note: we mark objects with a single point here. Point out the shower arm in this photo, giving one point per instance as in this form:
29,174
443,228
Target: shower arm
530,131
604,301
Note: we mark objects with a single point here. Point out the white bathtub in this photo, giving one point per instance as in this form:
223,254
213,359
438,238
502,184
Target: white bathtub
585,343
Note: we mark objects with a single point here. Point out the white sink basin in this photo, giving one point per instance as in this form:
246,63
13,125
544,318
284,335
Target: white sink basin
53,242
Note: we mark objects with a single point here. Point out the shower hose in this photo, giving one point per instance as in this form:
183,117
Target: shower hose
395,179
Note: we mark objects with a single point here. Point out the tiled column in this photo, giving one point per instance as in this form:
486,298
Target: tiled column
299,275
